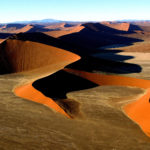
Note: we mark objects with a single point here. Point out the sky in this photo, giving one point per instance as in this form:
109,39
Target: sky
74,10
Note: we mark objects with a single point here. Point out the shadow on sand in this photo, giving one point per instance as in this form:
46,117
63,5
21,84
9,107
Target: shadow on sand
60,83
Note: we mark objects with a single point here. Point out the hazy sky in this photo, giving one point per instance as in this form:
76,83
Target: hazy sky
76,10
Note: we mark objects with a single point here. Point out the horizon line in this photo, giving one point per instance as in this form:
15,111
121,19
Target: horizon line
17,21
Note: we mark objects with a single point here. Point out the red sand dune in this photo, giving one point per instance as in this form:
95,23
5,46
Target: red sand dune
24,29
29,92
55,26
37,60
23,56
138,111
118,26
66,31
15,29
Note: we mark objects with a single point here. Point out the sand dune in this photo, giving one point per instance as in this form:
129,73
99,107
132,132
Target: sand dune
41,60
56,26
15,28
65,31
96,35
30,93
139,111
118,26
20,28
63,25
25,55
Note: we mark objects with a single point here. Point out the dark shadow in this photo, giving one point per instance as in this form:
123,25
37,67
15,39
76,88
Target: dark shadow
69,25
112,55
83,43
98,27
38,28
96,35
14,25
44,39
133,28
5,35
60,83
93,64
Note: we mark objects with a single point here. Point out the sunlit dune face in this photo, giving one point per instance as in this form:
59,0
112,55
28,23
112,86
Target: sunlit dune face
29,92
118,26
139,111
26,56
14,29
62,32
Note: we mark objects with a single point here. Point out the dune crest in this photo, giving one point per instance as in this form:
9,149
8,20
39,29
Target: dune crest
65,31
15,28
119,26
23,56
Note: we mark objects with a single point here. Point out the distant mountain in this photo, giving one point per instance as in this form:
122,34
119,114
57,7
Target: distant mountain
38,21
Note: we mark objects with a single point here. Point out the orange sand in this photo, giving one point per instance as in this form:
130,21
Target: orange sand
138,111
60,33
119,26
27,56
2,40
111,79
55,26
29,92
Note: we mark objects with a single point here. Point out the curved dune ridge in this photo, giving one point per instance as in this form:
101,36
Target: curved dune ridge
37,60
65,31
16,28
29,92
23,56
118,26
138,111
56,26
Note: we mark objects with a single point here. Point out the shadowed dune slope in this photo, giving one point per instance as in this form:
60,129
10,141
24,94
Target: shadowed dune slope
56,42
60,83
111,79
138,111
96,35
